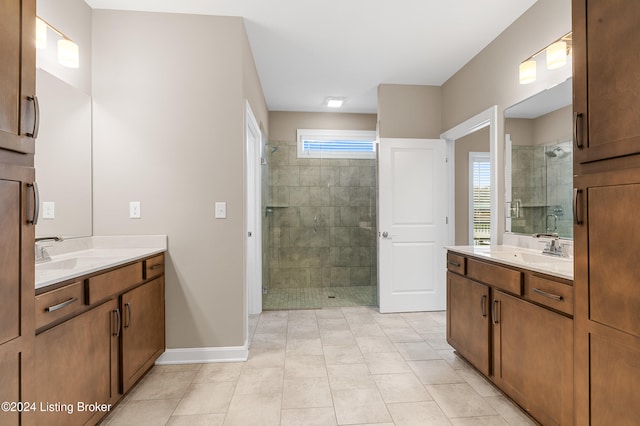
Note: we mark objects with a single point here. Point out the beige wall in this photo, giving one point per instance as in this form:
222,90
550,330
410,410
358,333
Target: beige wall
550,128
491,78
169,96
475,142
283,125
554,127
406,111
73,18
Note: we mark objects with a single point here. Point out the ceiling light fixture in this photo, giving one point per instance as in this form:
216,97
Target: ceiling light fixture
68,50
334,102
556,57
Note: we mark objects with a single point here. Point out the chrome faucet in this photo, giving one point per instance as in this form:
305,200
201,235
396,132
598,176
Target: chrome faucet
41,249
552,247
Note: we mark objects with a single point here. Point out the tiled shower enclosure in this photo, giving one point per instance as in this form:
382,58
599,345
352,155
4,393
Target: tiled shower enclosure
320,230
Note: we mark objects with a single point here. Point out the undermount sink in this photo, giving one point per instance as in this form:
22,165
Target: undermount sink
71,263
527,258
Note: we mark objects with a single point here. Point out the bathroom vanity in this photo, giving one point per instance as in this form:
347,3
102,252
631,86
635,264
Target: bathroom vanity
510,314
100,326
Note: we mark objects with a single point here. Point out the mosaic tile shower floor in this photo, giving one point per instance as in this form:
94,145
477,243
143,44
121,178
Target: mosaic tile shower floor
319,297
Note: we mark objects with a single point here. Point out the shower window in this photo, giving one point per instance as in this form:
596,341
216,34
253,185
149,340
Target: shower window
345,144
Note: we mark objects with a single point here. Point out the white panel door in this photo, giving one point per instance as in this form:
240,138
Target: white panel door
412,224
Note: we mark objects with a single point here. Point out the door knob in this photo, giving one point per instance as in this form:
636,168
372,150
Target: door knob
385,234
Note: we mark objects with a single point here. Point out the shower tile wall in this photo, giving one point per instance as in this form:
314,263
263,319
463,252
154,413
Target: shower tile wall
339,195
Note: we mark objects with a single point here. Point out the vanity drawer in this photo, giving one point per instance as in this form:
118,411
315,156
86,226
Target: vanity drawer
456,263
496,276
111,283
554,294
154,266
55,304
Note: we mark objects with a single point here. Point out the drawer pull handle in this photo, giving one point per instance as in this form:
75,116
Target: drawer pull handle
60,305
452,263
549,295
154,267
483,305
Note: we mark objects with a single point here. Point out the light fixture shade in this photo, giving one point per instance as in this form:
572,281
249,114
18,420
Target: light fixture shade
528,72
41,34
556,55
68,53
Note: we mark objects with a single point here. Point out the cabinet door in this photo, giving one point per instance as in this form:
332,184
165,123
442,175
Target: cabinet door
468,327
606,78
17,331
607,308
77,362
533,358
17,68
143,330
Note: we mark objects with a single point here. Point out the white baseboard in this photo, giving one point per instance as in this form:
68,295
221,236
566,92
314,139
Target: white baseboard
204,355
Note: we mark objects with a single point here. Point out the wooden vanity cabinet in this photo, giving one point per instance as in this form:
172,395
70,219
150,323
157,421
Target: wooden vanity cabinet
18,121
16,289
607,199
532,358
143,330
607,298
468,325
78,363
17,82
106,331
606,79
515,327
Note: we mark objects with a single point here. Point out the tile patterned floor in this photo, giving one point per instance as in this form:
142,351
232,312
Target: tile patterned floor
319,297
339,366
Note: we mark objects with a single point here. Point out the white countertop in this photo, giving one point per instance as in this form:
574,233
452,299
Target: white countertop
81,256
524,258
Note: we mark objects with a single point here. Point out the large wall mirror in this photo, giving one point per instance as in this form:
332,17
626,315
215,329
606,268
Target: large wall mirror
63,158
539,163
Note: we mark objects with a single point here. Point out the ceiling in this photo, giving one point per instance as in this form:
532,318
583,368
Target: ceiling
308,50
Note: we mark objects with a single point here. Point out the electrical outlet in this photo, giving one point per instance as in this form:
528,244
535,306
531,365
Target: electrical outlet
221,210
134,210
48,210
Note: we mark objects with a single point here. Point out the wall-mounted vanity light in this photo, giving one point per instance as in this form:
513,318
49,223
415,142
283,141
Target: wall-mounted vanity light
68,51
556,57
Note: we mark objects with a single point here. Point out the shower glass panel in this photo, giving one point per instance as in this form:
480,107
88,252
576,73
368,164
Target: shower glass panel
542,177
320,227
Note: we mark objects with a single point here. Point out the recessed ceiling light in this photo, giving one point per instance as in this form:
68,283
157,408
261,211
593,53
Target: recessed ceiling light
334,102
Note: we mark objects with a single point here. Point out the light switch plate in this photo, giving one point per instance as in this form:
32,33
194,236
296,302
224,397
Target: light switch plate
221,210
48,210
134,210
